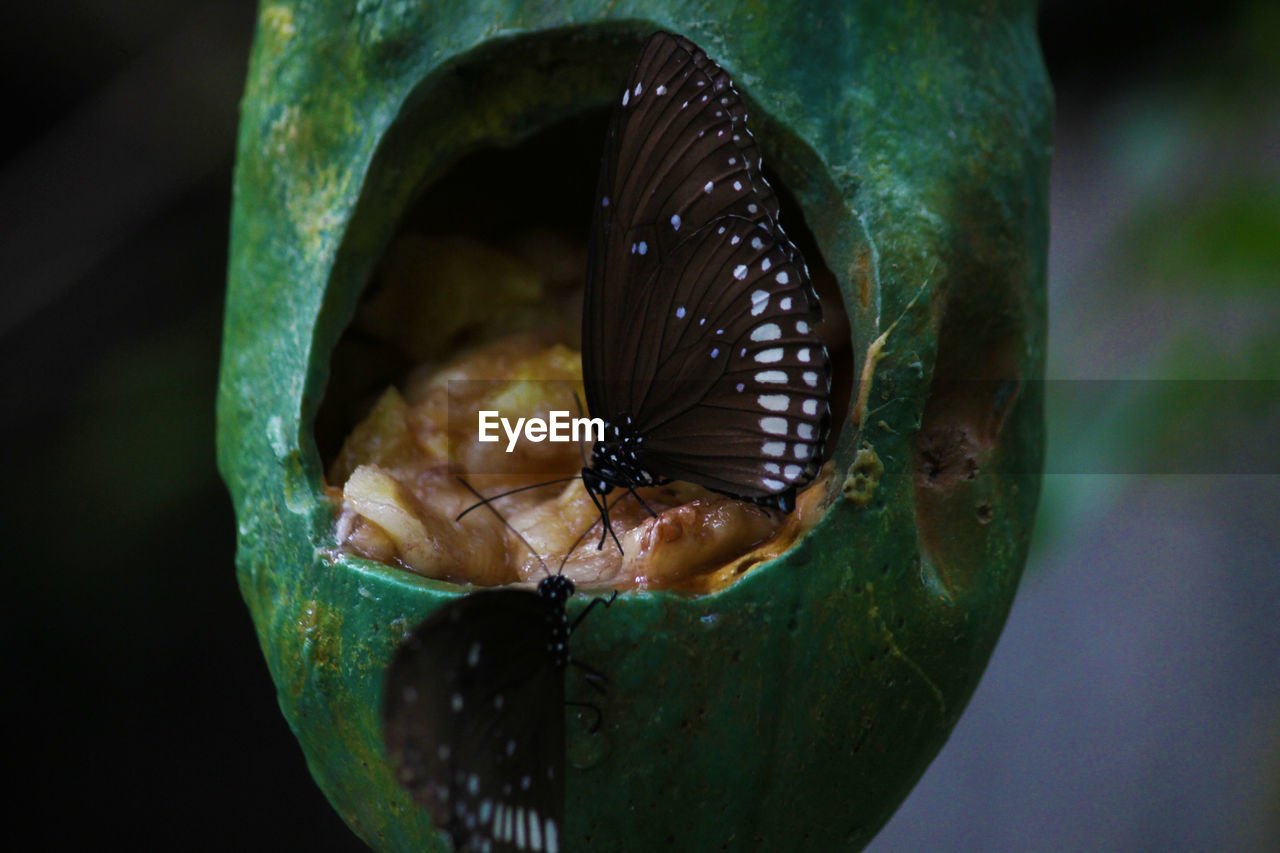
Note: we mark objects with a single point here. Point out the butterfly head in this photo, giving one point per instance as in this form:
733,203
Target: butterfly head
555,590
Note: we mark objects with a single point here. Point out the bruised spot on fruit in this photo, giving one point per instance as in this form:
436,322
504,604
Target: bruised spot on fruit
475,305
861,273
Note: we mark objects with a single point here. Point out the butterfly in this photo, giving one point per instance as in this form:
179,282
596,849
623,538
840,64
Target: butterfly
700,349
473,714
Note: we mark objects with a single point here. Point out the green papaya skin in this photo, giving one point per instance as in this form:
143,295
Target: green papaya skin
795,709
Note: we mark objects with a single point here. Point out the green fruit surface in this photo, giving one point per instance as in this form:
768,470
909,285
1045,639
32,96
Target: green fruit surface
797,708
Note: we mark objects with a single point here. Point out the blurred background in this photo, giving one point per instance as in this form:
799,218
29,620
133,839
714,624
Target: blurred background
1134,698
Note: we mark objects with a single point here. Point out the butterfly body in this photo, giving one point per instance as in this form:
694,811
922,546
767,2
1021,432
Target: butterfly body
700,348
616,461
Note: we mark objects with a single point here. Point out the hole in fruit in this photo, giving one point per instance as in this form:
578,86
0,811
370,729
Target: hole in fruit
475,305
976,386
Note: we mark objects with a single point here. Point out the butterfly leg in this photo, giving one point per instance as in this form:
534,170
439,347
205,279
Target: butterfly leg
594,727
597,600
647,508
592,676
602,507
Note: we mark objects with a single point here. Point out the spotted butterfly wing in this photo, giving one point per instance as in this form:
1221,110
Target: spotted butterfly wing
699,325
473,719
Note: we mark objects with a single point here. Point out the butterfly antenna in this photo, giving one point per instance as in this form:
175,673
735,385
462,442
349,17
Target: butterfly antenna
505,523
486,501
581,536
631,491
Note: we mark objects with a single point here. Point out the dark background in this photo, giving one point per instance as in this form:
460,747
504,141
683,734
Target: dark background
1134,699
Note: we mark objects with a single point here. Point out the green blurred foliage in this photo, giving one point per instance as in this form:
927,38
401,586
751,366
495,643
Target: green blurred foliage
1221,238
1183,295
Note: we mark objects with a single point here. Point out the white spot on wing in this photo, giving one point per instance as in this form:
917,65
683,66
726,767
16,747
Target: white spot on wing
805,430
773,448
811,378
661,90
740,272
553,840
810,406
769,356
792,472
675,221
771,376
774,402
766,332
782,277
774,426
708,187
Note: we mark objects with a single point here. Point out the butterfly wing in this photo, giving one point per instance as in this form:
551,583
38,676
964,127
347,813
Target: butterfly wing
473,718
678,155
740,383
700,319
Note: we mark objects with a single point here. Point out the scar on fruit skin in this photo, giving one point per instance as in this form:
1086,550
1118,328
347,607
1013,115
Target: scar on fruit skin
886,633
860,485
875,352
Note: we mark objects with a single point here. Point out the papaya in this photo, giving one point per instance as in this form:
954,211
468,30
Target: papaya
794,706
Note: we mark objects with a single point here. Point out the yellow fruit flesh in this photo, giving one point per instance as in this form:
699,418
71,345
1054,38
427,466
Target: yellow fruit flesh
401,495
